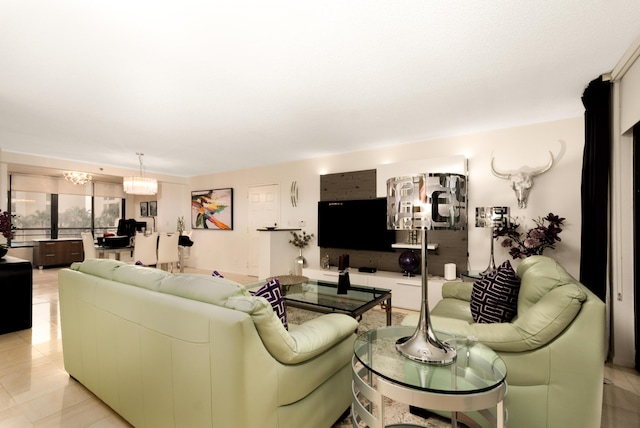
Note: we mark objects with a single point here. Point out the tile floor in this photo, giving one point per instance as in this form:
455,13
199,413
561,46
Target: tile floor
35,391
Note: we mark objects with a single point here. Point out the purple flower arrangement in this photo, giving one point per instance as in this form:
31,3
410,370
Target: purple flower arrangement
6,228
534,241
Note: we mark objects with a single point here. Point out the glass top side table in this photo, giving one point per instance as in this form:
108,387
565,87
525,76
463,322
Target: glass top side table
475,381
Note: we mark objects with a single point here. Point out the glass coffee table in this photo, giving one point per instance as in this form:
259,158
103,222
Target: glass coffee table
474,382
322,296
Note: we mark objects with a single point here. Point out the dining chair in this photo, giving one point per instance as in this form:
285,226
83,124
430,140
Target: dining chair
145,249
168,253
88,246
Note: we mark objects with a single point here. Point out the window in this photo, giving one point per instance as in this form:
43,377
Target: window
73,215
46,216
50,207
107,212
33,219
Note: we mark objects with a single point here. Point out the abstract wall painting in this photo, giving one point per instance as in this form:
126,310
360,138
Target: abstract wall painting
212,209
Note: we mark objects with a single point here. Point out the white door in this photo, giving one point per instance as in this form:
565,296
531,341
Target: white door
264,210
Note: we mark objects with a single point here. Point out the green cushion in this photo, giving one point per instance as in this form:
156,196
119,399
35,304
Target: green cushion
102,268
204,288
457,290
140,276
539,275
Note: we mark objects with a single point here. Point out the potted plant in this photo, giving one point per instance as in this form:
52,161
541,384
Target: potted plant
6,228
300,241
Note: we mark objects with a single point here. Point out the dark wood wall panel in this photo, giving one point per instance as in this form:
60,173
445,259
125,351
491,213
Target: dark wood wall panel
452,244
348,185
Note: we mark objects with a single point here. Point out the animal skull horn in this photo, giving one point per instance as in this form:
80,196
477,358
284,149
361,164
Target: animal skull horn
522,182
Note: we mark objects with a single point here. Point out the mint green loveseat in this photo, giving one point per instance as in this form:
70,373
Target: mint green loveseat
554,349
183,350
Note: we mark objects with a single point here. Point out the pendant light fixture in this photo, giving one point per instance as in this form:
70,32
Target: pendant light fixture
140,185
77,177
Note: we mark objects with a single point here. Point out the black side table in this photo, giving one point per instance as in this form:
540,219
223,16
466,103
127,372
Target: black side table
16,289
471,275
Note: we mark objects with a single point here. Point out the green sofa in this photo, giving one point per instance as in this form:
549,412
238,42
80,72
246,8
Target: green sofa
554,348
184,350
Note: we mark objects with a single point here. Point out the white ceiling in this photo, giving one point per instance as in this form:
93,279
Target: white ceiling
207,86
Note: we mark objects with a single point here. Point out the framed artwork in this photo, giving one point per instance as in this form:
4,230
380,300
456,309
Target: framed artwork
144,209
153,209
212,209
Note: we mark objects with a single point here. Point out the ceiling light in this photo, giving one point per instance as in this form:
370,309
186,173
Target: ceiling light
76,177
140,185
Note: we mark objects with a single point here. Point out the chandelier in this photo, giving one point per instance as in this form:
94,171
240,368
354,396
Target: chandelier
140,185
76,177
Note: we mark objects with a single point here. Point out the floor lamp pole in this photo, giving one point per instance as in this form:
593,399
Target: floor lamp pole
492,263
423,345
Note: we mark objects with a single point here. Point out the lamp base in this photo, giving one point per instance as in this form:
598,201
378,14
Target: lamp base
489,269
426,348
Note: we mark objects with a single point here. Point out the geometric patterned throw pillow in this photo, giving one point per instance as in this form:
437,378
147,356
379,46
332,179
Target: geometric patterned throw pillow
494,297
272,292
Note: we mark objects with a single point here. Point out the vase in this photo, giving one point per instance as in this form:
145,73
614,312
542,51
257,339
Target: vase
3,251
299,263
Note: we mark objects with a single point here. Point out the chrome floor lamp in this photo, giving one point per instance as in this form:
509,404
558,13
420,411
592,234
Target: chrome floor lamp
422,202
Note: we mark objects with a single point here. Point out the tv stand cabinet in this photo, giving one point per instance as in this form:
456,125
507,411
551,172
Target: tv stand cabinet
405,291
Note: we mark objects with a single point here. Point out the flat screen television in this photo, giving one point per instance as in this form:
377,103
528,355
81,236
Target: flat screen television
354,224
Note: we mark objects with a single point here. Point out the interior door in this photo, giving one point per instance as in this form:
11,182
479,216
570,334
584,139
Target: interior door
264,210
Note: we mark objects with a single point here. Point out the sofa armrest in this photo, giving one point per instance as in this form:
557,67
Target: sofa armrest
303,342
319,334
457,290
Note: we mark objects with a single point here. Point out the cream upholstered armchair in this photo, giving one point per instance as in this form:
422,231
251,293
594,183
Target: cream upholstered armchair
554,348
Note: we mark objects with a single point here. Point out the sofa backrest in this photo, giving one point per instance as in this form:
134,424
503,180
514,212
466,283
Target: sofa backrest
538,276
203,288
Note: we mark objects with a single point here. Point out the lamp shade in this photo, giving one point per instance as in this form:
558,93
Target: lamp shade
492,216
140,185
427,201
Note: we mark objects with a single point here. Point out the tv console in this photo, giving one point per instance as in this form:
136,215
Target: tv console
406,291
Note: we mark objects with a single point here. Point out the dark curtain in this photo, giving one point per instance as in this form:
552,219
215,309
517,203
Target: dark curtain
636,236
595,186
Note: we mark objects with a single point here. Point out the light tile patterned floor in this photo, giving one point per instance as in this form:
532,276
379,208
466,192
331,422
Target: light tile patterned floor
35,391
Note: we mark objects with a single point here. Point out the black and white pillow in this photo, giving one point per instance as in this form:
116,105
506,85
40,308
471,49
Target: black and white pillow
494,297
272,292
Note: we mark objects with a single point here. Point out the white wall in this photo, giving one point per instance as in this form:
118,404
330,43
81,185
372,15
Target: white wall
526,147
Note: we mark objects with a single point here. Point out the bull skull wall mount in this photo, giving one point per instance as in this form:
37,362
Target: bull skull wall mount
522,182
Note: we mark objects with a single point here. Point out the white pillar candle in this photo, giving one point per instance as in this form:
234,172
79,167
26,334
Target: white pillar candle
450,271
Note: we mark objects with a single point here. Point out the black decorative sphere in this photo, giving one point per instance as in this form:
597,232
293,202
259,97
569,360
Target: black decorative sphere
409,262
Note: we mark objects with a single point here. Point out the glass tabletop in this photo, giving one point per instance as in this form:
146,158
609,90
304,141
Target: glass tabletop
325,294
477,368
